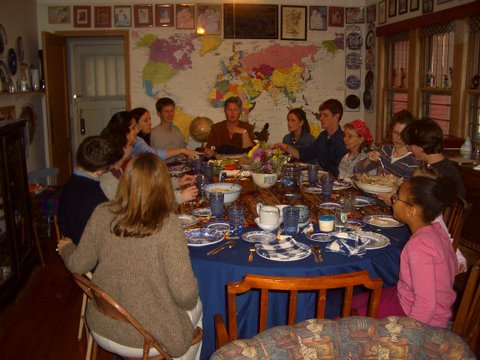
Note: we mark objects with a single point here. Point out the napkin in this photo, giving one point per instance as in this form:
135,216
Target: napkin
287,249
348,243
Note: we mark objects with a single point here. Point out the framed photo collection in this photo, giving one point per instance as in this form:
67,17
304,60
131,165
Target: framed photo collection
209,19
143,15
294,22
122,16
82,17
103,16
164,15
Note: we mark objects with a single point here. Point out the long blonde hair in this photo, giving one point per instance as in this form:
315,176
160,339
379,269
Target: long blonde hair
144,198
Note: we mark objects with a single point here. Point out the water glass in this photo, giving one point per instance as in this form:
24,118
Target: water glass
349,202
290,219
197,165
312,171
304,213
201,182
327,186
208,170
235,218
216,204
288,179
341,217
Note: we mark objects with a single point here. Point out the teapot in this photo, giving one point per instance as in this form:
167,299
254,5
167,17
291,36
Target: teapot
268,215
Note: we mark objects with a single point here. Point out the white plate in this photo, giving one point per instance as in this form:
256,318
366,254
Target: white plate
266,227
354,224
178,169
288,250
203,237
373,188
385,221
363,201
320,237
329,205
313,190
258,237
202,212
223,226
376,240
187,220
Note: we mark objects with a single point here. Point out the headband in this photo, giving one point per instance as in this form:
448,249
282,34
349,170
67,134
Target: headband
362,129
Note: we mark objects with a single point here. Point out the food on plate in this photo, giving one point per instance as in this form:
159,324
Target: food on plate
387,180
383,221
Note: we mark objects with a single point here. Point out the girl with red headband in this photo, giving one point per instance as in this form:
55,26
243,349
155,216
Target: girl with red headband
357,139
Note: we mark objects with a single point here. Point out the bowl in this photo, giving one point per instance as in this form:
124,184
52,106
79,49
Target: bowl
231,191
264,180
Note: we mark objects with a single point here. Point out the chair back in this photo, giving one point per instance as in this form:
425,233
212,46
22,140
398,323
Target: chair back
111,308
454,217
292,285
46,176
467,320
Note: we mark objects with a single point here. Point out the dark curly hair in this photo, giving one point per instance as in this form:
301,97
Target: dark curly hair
426,134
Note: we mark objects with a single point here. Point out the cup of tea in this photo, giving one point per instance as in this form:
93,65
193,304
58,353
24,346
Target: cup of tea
326,223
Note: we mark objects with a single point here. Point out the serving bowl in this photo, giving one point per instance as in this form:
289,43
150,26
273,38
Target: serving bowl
372,188
231,191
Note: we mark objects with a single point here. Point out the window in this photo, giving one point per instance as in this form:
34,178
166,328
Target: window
437,42
397,73
473,77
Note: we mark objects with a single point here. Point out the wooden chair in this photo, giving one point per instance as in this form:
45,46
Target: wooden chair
467,319
454,217
111,308
293,285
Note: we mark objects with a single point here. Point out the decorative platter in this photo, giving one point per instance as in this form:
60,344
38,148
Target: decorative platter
352,101
203,237
354,41
353,82
370,40
353,61
367,99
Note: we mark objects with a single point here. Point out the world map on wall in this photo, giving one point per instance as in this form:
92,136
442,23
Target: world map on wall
268,74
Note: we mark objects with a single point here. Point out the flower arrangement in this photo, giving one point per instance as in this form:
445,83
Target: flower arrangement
267,160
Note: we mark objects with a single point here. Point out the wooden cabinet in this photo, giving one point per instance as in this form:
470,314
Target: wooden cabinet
17,245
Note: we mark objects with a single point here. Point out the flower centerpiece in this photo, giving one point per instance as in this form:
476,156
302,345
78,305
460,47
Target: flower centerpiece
266,164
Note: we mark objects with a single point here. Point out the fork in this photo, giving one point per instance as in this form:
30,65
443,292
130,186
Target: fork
376,148
252,251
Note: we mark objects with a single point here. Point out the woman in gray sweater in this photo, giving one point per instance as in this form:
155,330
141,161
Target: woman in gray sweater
137,247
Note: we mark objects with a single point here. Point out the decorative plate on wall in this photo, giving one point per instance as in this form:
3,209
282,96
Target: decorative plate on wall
12,61
354,61
354,41
367,99
369,80
3,39
352,101
4,76
370,40
353,82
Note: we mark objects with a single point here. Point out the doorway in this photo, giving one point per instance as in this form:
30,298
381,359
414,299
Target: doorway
63,123
96,84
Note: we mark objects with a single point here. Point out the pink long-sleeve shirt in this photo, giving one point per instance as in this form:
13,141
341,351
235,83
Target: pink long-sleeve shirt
427,272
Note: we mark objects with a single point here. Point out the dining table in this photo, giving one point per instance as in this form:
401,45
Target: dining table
213,272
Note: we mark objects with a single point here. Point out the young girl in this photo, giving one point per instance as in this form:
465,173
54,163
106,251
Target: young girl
298,130
357,139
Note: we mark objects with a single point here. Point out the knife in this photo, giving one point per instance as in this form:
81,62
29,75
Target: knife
220,248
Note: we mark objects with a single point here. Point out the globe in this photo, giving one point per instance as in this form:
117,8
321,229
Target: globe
200,128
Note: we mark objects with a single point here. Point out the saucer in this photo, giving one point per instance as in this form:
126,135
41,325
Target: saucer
266,227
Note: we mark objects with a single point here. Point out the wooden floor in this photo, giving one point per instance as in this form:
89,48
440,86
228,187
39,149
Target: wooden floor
42,322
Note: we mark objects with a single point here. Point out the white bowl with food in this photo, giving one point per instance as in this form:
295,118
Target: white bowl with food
231,191
375,184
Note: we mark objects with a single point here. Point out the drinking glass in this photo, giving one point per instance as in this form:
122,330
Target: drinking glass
235,218
341,217
288,179
290,219
201,182
216,204
327,186
349,202
312,171
208,170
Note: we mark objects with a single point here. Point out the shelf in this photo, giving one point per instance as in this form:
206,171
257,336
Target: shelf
21,93
436,90
473,91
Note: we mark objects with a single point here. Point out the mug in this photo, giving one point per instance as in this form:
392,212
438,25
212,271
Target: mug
326,223
304,213
290,220
268,215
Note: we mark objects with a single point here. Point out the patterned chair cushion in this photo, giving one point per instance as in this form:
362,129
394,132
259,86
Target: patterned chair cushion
350,338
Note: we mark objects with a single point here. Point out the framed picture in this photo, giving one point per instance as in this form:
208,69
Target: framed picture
163,14
317,17
185,16
336,15
371,13
355,15
294,22
209,19
252,21
82,16
402,6
382,12
427,6
102,16
122,16
143,15
392,8
59,15
414,5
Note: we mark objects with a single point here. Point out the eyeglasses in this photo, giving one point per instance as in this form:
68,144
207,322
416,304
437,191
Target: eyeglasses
395,198
349,136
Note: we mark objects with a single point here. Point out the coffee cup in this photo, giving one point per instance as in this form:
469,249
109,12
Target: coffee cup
268,215
326,223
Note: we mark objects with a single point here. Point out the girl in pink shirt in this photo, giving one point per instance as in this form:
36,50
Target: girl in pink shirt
428,263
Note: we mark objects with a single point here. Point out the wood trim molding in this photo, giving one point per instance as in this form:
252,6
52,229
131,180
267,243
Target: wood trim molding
450,14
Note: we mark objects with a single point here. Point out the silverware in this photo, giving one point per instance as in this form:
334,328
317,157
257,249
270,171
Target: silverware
220,248
252,251
317,254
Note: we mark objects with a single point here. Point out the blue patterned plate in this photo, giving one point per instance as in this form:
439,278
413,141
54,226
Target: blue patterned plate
258,237
203,237
223,226
202,212
320,237
288,250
